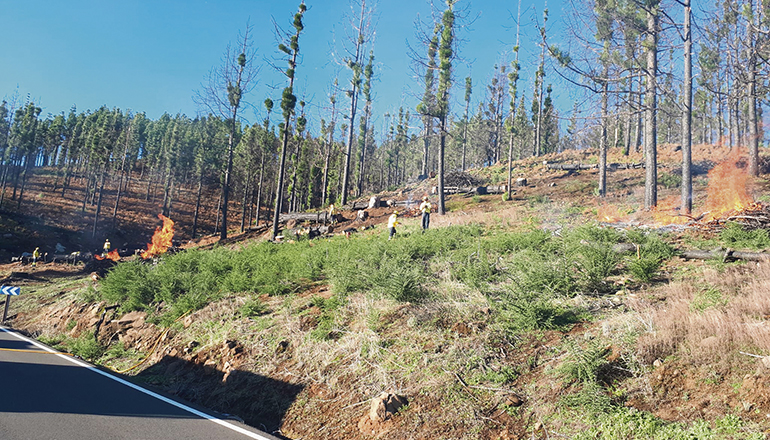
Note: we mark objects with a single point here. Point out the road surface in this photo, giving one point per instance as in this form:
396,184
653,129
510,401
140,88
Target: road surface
52,396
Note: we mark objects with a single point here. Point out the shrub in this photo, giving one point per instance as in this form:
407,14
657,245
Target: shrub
736,236
86,346
670,180
643,269
522,312
584,363
129,284
253,307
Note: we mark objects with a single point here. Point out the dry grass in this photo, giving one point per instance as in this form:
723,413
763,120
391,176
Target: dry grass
726,312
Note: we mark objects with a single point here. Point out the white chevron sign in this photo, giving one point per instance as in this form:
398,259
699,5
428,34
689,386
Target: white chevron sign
10,290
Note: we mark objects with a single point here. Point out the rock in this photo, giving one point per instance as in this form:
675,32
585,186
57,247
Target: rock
711,342
461,329
386,405
765,363
658,363
378,411
513,400
131,319
521,181
282,347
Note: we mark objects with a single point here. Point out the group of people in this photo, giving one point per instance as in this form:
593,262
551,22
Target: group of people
425,208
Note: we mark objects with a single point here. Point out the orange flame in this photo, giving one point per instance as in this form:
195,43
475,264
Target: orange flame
112,255
609,214
161,240
727,189
667,212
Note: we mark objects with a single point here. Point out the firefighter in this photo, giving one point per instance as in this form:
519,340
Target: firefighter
332,214
106,247
392,223
35,256
425,208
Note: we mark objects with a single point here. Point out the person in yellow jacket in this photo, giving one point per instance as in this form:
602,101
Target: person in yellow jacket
392,223
35,256
425,208
332,214
106,247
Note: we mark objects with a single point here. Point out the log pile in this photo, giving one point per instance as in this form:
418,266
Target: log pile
584,166
480,190
460,179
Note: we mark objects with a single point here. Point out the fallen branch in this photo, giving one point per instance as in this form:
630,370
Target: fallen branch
725,255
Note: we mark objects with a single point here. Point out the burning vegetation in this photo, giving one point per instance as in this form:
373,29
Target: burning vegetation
112,255
727,199
161,239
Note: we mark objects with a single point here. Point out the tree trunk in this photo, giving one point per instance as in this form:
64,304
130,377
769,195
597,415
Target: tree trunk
197,206
651,107
603,138
259,188
687,115
752,95
441,150
99,202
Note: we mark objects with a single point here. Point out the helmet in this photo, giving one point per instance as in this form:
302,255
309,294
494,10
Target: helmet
425,198
395,212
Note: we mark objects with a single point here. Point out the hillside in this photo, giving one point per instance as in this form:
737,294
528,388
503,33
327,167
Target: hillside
521,319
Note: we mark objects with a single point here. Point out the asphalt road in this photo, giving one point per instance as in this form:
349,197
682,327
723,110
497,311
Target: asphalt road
51,396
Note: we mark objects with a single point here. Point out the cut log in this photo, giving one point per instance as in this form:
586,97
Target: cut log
725,255
581,166
481,190
318,217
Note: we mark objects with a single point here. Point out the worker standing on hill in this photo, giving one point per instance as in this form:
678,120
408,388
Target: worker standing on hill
332,214
392,223
35,256
106,247
425,208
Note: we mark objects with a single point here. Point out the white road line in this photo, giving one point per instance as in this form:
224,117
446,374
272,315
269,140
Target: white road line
76,361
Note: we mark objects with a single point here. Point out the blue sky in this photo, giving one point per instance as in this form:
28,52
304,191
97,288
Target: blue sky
151,56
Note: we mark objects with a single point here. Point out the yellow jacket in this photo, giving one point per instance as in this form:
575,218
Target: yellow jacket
393,221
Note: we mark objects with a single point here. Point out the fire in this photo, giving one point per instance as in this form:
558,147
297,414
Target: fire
727,189
161,240
609,214
667,212
112,255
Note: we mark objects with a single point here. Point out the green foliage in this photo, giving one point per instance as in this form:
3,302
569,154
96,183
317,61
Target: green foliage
708,298
643,269
670,180
129,284
629,423
86,346
522,312
734,235
327,320
583,363
652,252
253,307
590,397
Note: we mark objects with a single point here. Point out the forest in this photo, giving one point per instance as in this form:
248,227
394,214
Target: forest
647,72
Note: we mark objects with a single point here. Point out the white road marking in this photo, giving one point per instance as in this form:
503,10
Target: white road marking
78,362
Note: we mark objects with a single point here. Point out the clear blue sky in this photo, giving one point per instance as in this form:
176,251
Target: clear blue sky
151,55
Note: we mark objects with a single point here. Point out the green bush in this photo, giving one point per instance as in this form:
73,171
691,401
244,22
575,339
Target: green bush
253,307
670,180
735,235
525,312
129,284
583,364
643,269
86,346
